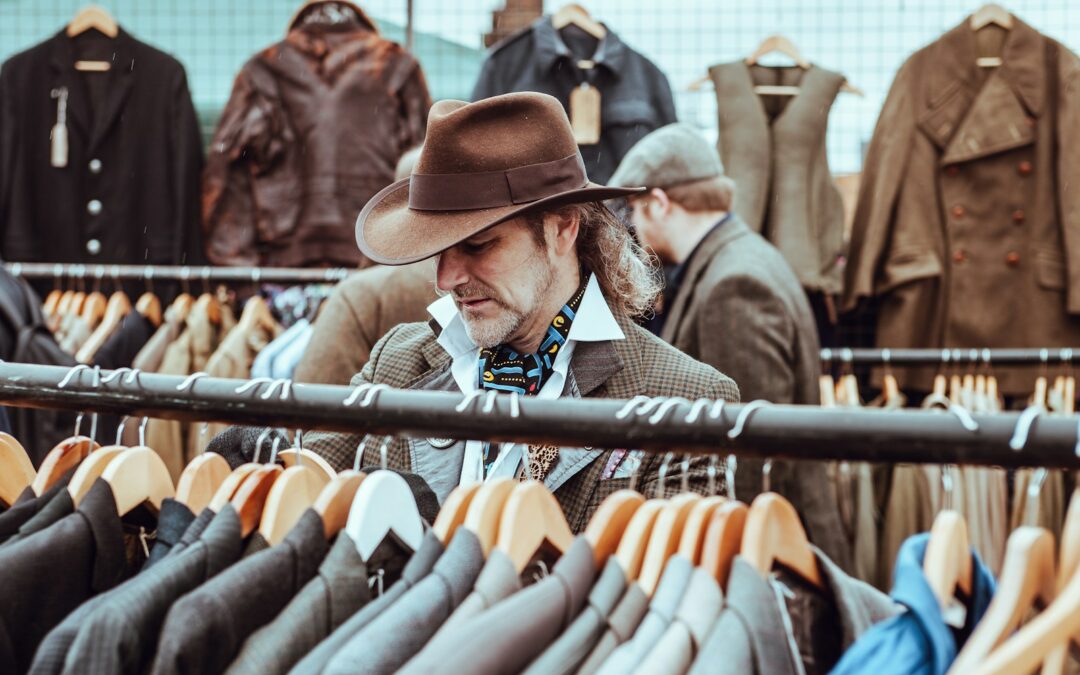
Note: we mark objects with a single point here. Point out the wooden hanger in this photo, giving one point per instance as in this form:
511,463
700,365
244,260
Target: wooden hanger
1039,396
531,517
181,306
93,17
336,498
851,390
947,563
48,308
63,305
119,306
1027,575
453,512
256,315
200,480
227,490
93,310
251,496
774,534
635,540
90,469
294,492
1068,563
138,476
207,305
77,302
610,521
576,15
778,44
311,460
827,389
67,454
485,511
692,541
384,505
664,540
149,306
16,469
723,540
991,14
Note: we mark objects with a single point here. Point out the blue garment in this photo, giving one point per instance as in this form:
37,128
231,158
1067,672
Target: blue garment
917,640
286,360
263,365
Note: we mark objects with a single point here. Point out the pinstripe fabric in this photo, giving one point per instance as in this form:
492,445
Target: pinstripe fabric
409,357
121,635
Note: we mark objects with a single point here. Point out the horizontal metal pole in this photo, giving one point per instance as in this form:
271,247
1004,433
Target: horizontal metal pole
270,275
800,432
944,357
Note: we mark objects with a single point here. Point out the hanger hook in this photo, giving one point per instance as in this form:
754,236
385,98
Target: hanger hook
252,384
383,452
79,419
730,466
120,429
665,407
964,415
696,409
298,438
467,401
94,416
744,417
286,388
1023,427
359,453
357,391
71,373
947,486
710,473
259,443
190,380
661,477
515,405
116,374
489,402
274,450
686,473
629,406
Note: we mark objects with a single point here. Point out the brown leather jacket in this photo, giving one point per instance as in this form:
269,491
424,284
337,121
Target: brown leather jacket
312,130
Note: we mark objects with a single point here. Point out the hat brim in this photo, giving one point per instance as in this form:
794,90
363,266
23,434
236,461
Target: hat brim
388,232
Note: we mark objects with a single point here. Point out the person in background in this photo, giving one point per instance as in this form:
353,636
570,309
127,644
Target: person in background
731,301
363,308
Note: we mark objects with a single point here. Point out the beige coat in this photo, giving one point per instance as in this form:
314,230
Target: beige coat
965,229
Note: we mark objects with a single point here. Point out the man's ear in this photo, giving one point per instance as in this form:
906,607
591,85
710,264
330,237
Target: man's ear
567,223
660,204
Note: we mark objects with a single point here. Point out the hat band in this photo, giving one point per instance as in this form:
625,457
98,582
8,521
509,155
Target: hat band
491,189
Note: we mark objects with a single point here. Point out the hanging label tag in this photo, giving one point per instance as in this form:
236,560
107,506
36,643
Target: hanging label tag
585,114
58,137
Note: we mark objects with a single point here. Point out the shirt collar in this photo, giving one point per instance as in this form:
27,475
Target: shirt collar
550,49
594,322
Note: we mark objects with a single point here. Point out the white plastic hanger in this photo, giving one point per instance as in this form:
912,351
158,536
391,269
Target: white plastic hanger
384,504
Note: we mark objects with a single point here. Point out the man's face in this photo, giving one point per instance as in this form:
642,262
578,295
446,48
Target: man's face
650,227
499,279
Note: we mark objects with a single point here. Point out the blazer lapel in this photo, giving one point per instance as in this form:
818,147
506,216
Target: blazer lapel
121,77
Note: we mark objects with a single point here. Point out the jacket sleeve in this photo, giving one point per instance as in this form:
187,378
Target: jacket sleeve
415,101
188,158
665,102
1068,168
882,176
250,136
758,355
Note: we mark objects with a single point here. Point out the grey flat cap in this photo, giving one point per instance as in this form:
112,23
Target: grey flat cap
669,156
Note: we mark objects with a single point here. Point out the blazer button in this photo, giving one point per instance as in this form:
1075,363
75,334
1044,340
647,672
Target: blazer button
1018,216
1024,168
1012,258
959,256
93,207
958,211
93,247
95,166
952,170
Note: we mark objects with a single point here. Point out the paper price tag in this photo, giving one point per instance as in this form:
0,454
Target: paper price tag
585,114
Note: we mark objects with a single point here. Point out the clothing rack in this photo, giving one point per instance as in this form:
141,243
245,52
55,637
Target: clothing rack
751,429
945,357
271,275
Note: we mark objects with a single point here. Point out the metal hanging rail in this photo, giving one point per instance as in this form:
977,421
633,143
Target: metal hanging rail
753,429
944,357
272,275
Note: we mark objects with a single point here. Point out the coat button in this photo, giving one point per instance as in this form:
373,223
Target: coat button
952,170
959,256
1018,216
93,207
1012,258
1030,121
1024,168
95,166
93,247
958,211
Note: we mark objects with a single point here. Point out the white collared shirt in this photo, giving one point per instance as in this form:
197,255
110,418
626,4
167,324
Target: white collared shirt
594,323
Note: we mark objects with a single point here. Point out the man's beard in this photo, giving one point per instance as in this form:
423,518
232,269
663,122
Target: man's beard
489,332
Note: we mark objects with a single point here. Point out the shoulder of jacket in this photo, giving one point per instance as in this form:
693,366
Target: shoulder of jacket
520,37
398,357
666,371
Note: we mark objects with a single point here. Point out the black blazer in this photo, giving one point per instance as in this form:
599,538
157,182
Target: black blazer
130,190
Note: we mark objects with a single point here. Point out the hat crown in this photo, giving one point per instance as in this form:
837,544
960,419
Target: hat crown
495,134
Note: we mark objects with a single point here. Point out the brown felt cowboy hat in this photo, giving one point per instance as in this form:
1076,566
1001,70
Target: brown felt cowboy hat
482,164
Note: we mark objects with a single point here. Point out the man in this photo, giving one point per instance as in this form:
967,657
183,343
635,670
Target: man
732,302
363,308
540,285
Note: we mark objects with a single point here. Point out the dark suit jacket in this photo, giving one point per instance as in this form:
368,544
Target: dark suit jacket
134,146
741,310
204,629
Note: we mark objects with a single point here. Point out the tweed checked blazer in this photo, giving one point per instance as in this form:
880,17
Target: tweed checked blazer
410,357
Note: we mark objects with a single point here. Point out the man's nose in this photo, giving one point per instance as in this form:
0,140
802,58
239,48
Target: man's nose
451,270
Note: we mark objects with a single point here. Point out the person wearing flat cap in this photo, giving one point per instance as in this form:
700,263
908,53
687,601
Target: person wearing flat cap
540,286
732,301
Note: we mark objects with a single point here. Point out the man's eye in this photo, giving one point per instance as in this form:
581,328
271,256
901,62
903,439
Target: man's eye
478,247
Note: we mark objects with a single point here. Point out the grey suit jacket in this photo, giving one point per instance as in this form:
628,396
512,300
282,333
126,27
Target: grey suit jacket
121,635
741,310
505,638
621,624
204,629
669,593
750,637
418,567
402,629
573,646
674,652
340,589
